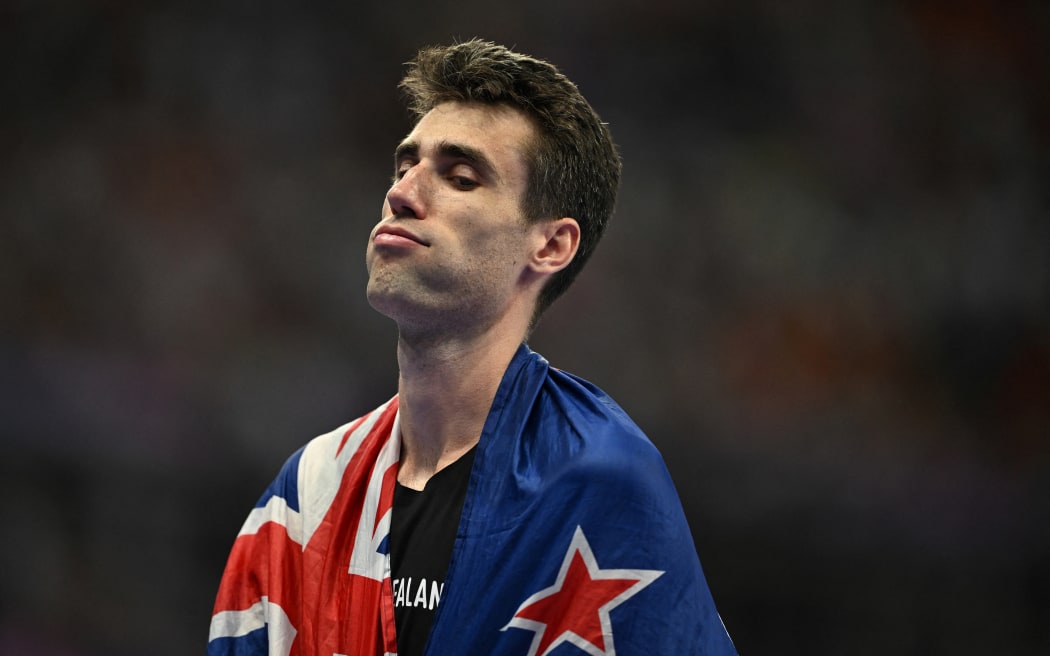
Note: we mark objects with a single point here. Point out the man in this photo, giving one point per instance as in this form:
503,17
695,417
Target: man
495,505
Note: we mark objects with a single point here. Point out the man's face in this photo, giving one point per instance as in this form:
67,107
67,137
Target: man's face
452,243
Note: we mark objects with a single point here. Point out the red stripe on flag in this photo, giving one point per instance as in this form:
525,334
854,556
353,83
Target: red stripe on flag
261,563
339,608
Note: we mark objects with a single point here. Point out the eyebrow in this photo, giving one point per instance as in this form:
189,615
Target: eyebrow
454,151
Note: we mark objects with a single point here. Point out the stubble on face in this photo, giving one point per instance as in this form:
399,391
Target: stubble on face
472,266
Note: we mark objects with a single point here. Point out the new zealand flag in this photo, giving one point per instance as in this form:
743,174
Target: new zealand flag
572,540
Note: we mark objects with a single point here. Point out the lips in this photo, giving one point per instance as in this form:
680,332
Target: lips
392,235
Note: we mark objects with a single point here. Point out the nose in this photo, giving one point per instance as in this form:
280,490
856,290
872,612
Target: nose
406,196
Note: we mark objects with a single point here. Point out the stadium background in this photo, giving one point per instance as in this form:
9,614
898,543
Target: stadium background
825,296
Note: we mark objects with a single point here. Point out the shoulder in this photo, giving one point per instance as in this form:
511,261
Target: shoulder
345,440
591,414
323,457
600,440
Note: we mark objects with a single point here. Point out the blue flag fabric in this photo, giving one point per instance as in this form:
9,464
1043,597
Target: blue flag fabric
558,459
572,540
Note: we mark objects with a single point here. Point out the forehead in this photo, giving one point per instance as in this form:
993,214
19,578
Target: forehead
501,132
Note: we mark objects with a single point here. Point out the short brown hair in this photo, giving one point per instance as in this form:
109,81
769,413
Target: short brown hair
574,166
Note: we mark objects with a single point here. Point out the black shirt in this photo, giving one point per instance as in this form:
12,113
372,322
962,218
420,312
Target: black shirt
422,532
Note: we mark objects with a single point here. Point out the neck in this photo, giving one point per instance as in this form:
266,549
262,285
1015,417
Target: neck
445,391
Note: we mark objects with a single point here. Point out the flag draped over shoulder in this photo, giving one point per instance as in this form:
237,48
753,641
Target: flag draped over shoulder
572,538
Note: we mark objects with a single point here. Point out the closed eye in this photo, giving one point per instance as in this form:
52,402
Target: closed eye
405,157
400,171
464,183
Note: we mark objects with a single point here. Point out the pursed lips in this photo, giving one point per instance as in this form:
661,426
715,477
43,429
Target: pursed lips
391,235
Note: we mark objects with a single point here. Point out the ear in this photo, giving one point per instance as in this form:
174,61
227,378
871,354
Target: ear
557,241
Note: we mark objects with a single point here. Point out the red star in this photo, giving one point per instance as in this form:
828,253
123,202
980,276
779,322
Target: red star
576,608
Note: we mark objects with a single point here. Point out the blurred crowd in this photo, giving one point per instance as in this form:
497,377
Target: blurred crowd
825,296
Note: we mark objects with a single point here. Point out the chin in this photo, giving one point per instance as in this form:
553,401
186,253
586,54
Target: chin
393,301
382,302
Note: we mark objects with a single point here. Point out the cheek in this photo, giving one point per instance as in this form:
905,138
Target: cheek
369,249
504,249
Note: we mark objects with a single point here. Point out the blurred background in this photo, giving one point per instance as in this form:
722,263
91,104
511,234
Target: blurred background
825,296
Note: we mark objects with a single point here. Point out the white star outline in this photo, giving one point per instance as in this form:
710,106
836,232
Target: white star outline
579,544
